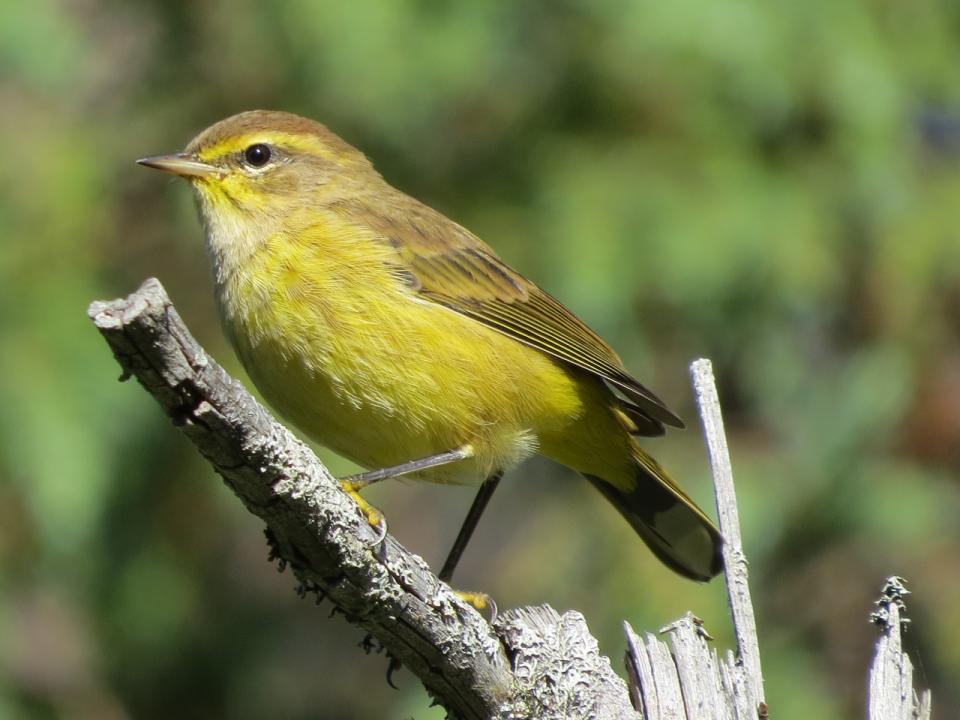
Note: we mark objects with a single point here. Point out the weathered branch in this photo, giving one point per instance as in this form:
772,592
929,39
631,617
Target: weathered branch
687,679
533,663
892,696
734,559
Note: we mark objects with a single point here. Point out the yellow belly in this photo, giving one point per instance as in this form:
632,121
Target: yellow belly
363,366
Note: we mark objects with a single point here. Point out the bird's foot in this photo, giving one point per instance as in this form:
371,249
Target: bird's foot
373,516
479,600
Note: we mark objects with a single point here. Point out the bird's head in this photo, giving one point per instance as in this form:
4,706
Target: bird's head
255,170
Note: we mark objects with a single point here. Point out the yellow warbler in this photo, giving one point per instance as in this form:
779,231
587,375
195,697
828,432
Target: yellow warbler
398,339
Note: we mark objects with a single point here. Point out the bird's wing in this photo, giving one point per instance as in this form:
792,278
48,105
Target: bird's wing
447,264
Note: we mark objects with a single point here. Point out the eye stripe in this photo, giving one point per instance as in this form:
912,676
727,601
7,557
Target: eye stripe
292,144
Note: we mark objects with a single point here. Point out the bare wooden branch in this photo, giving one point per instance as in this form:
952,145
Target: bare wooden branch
734,559
687,679
559,666
533,663
540,665
892,696
652,672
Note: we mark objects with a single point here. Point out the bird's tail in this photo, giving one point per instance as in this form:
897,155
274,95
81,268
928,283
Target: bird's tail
670,523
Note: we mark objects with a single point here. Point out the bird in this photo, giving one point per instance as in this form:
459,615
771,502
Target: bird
397,338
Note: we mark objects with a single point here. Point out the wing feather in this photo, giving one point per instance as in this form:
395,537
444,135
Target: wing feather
452,267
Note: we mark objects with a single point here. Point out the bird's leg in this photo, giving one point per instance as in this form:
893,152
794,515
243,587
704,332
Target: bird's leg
352,484
477,599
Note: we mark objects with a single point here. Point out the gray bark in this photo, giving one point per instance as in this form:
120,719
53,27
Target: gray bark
734,558
687,679
532,663
891,693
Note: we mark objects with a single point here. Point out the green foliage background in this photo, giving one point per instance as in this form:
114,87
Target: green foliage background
772,185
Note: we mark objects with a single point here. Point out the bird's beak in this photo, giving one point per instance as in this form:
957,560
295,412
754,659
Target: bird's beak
182,164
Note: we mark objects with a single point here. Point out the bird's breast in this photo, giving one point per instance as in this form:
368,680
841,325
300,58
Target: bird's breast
338,344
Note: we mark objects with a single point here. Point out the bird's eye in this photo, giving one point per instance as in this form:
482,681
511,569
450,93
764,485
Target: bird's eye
257,155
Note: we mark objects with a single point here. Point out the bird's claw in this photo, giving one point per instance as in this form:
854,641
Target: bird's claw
373,516
381,526
480,601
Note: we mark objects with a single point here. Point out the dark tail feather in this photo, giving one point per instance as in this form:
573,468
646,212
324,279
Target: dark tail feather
669,522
